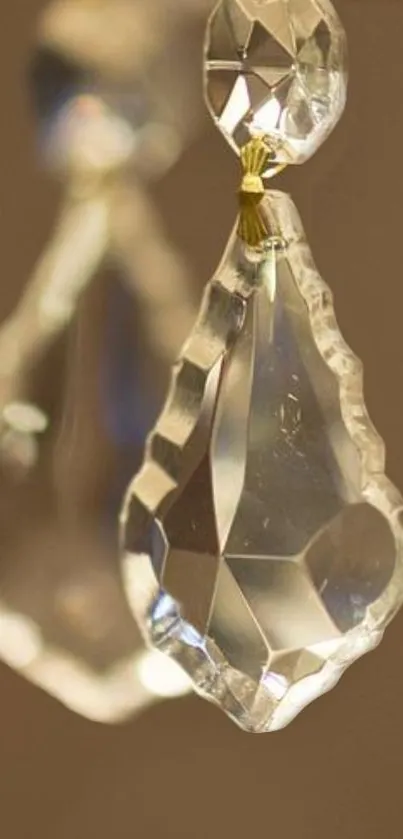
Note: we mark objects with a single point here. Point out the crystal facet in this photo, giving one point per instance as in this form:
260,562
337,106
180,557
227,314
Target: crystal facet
276,68
263,540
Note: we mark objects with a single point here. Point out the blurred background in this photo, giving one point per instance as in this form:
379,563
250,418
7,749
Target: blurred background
105,249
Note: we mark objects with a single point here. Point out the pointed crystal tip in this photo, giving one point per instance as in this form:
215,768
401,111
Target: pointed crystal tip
277,69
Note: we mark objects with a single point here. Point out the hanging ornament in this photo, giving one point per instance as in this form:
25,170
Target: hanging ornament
263,542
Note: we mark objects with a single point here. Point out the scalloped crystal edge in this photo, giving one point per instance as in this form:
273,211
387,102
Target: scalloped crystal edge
220,319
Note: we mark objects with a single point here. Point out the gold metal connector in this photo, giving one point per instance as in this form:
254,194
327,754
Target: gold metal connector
253,227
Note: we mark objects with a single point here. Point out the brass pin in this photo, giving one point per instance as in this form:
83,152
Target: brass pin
253,227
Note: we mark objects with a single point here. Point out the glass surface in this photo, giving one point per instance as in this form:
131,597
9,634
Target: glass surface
277,69
264,547
85,352
108,87
337,770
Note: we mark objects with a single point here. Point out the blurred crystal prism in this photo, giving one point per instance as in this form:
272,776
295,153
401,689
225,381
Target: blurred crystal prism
74,414
263,540
276,68
81,125
108,85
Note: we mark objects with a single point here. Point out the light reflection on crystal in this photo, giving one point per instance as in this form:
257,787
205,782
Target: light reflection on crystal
161,676
281,543
276,68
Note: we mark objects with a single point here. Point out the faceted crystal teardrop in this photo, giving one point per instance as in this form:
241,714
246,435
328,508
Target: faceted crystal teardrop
264,543
276,68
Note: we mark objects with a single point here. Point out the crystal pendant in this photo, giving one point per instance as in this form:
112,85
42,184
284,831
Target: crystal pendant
65,624
84,125
263,540
276,68
85,353
107,92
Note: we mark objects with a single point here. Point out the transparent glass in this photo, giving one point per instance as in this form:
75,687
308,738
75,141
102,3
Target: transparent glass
277,69
263,540
85,352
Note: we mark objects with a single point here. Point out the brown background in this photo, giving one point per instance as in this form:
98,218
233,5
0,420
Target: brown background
183,770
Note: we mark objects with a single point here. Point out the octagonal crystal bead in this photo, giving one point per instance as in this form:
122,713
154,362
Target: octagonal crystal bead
277,69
